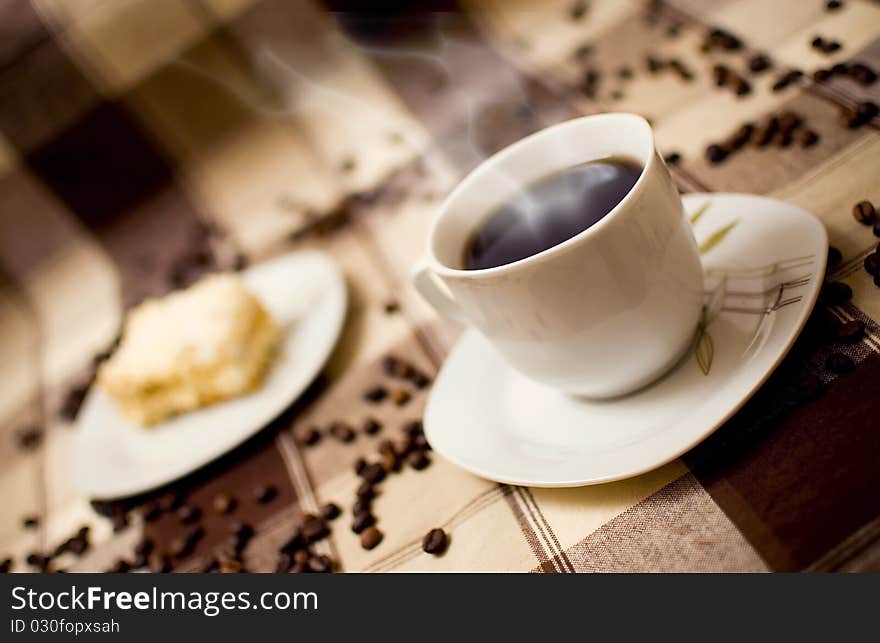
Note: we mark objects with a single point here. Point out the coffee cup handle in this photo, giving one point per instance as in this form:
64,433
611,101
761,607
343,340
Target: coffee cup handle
434,292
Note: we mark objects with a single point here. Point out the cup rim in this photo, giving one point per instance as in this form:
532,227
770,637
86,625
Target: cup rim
521,146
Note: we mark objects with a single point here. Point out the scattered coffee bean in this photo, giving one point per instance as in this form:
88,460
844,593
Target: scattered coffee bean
589,83
400,396
311,437
366,490
342,432
314,528
834,256
420,380
160,563
582,51
72,402
865,213
404,446
578,10
421,442
362,505
834,5
786,79
759,63
435,542
151,512
418,460
371,537
29,438
821,75
741,87
171,501
808,138
376,394
390,462
673,158
188,514
121,566
838,363
391,307
836,292
625,73
413,428
330,511
721,74
265,493
224,503
715,154
361,521
851,331
684,72
371,426
359,465
653,64
373,473
5,565
38,561
872,264
863,113
862,74
320,564
30,522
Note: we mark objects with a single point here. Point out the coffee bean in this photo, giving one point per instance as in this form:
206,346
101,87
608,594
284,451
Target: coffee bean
420,380
342,432
311,437
715,154
29,438
818,42
784,138
362,505
151,512
188,514
30,522
759,63
821,75
421,442
361,521
836,292
721,74
376,394
833,5
582,51
314,528
413,428
578,10
400,396
241,530
742,87
371,537
295,543
673,158
284,563
390,461
839,364
373,473
160,564
265,493
834,256
38,561
330,511
366,490
5,565
851,331
864,212
872,264
72,402
391,307
359,465
418,460
404,446
653,64
625,73
372,426
435,542
681,69
867,110
121,566
171,501
839,69
224,503
862,74
808,138
320,564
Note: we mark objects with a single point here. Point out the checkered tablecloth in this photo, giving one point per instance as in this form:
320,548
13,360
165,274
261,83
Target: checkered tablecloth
143,142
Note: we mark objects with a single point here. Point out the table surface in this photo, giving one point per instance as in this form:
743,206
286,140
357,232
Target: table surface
143,143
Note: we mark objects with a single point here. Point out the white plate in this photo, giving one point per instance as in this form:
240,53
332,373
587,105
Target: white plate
306,295
498,424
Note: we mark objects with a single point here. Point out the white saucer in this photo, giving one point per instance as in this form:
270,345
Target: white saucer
306,295
498,424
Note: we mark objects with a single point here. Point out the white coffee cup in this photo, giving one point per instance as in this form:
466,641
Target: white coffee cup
601,314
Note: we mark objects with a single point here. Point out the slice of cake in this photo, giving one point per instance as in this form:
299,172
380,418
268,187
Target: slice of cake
210,342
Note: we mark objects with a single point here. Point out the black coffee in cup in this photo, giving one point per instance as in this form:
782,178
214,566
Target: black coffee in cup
550,211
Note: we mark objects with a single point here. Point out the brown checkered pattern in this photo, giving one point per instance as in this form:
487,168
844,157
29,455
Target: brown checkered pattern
135,134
